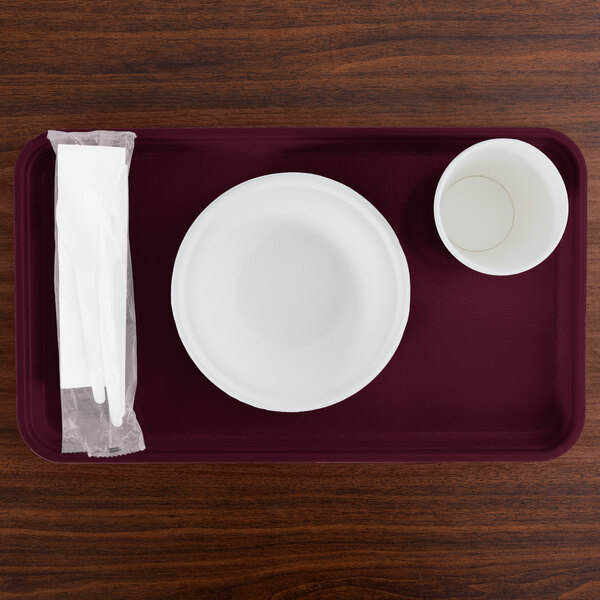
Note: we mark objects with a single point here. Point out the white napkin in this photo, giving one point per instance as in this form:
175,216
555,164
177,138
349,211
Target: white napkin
92,226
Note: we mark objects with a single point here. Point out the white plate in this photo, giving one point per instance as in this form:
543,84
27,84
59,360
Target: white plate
290,292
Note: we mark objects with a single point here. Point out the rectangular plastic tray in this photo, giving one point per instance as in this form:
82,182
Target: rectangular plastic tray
489,368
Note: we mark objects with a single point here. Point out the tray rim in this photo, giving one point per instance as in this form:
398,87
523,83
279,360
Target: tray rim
26,160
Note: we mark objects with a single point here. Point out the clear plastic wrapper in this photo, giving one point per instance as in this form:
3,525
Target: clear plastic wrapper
94,293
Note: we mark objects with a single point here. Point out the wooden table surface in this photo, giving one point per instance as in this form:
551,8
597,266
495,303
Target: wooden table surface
290,532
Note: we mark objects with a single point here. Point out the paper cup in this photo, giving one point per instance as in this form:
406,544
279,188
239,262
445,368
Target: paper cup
501,207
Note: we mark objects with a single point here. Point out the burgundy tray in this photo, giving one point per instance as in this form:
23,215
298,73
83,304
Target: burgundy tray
489,368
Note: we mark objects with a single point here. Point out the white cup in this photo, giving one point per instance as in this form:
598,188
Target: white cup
501,207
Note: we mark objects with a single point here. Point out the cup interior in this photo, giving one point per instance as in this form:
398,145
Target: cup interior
501,207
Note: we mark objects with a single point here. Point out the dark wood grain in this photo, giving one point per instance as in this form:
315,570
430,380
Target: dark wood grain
291,532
